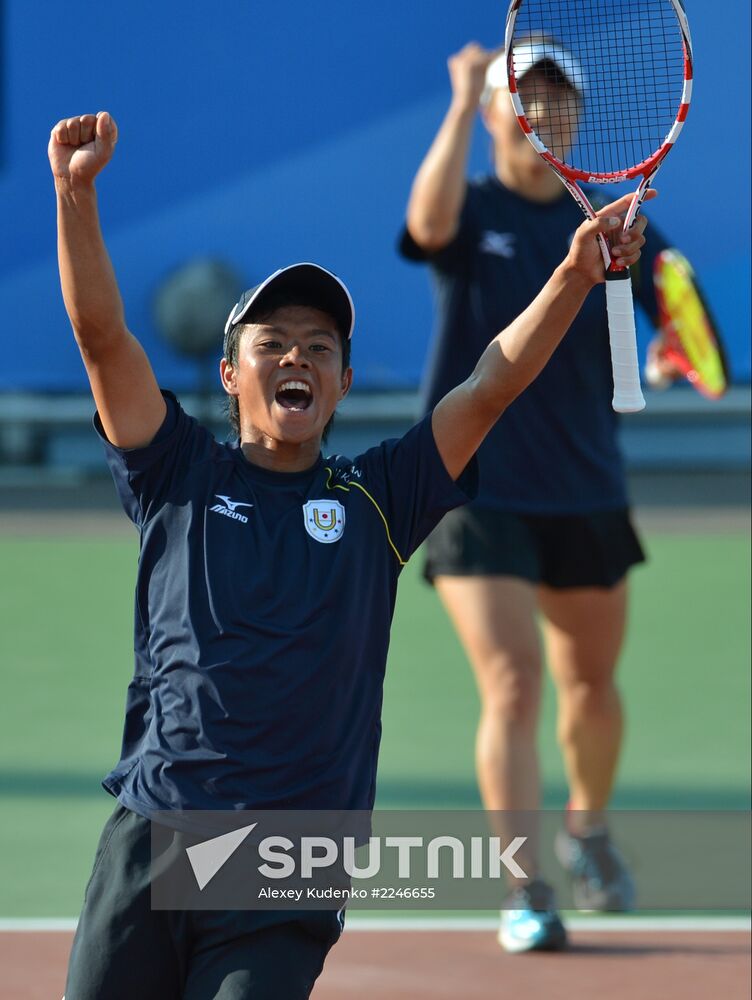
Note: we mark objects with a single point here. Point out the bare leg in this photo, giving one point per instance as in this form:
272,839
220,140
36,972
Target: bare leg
584,631
495,620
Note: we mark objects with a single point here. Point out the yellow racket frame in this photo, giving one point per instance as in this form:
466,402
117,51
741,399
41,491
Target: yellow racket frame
692,342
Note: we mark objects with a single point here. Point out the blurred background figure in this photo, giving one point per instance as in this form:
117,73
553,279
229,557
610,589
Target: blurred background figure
550,531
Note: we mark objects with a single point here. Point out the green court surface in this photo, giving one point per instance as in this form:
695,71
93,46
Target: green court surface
65,650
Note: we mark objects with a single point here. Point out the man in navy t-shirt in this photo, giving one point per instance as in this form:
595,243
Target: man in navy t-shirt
264,599
266,583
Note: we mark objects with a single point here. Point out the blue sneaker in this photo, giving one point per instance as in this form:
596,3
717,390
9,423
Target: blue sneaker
600,878
529,921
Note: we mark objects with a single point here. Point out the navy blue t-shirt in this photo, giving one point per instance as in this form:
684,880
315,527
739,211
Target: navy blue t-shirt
555,449
263,607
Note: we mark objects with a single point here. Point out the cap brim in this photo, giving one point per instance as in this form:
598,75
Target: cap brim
526,55
310,283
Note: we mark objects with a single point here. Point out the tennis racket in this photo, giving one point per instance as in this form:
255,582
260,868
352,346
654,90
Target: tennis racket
628,63
691,341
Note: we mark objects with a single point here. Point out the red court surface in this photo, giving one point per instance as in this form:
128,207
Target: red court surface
467,965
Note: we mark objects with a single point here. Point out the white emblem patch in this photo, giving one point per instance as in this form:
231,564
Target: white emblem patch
324,520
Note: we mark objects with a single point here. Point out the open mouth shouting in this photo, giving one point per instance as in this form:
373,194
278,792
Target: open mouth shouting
294,395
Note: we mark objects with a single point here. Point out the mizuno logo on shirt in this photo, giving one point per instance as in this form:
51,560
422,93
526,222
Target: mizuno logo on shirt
500,244
227,507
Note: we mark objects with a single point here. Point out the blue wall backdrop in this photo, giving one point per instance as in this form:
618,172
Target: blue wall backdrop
267,133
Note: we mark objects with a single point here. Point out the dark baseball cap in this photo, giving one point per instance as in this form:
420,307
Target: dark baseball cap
311,284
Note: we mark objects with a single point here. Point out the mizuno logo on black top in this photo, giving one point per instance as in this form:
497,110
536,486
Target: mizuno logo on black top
228,508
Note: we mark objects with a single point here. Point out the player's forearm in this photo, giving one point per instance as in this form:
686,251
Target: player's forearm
438,190
517,355
90,292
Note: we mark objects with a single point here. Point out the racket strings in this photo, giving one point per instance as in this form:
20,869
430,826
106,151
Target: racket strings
620,96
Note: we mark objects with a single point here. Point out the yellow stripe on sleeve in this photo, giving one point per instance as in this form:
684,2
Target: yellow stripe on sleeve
400,560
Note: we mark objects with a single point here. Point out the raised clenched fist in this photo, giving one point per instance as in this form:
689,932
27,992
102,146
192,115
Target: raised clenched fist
80,146
467,72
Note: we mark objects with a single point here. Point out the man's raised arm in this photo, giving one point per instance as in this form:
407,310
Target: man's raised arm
126,393
516,356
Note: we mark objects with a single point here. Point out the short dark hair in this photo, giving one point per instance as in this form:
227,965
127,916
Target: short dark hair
257,314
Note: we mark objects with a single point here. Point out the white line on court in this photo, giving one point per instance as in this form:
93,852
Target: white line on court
574,922
33,924
698,924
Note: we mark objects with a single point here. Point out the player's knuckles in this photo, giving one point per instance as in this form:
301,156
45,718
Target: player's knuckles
634,245
107,132
603,226
473,58
620,205
457,58
88,131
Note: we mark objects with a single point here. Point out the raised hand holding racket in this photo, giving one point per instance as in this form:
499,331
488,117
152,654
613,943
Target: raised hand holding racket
627,65
608,223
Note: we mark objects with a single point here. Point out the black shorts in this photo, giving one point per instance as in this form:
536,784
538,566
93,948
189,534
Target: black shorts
124,950
570,550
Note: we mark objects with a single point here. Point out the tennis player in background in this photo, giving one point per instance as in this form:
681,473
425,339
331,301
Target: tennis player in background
550,530
266,582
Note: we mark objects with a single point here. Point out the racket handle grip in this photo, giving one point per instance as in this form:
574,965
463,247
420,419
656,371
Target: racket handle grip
628,396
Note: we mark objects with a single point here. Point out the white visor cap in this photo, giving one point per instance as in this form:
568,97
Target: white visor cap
527,55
